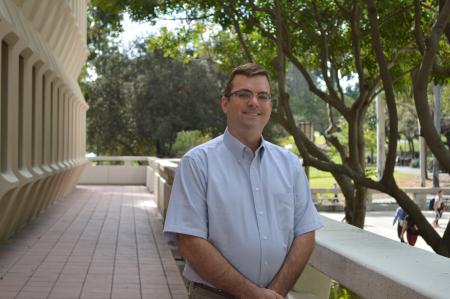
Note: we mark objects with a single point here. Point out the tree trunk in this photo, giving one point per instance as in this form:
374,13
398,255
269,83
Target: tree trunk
356,201
360,206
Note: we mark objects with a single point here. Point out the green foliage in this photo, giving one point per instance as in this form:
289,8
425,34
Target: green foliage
137,105
304,104
340,292
320,179
138,9
288,142
186,140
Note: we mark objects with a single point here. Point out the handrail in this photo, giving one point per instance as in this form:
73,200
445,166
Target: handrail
370,265
118,158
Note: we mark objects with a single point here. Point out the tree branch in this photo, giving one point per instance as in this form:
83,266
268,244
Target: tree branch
336,79
441,70
356,43
324,55
341,7
237,29
334,141
420,84
447,28
388,89
338,105
418,33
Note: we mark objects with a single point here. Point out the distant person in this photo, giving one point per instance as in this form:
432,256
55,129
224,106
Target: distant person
411,229
400,215
439,207
335,198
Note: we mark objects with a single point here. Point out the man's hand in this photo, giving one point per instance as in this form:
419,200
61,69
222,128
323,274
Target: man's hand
214,268
269,294
294,263
260,293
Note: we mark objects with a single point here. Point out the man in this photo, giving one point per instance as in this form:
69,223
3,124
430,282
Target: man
240,206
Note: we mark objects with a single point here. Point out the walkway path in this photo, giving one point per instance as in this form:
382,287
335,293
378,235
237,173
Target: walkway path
98,242
380,223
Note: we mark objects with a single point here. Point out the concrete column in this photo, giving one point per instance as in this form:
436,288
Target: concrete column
381,137
39,89
66,129
26,105
11,87
71,130
61,126
54,124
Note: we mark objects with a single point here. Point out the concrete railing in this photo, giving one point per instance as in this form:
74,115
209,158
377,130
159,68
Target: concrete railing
370,265
331,199
42,110
115,171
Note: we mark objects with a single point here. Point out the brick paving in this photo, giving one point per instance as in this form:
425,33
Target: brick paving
97,242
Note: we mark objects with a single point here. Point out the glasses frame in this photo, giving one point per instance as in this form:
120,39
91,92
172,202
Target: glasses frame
236,92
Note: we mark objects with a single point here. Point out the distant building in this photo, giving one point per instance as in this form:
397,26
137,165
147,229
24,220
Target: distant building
42,110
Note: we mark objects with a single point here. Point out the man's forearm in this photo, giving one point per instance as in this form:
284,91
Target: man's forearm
294,263
214,268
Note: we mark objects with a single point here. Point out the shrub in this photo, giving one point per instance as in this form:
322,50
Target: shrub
188,139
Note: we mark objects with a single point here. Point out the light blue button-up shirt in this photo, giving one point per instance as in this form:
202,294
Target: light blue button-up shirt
250,206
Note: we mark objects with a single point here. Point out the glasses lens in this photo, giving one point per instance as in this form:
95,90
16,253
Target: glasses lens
264,97
244,95
247,95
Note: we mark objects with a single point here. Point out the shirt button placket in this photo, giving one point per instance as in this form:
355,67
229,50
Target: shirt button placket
259,204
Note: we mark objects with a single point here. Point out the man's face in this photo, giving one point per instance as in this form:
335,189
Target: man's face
251,115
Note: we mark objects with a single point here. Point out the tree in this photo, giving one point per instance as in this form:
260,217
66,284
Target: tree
139,104
110,126
172,96
368,39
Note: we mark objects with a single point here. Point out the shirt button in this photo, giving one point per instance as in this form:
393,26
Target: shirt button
265,237
261,212
257,189
266,263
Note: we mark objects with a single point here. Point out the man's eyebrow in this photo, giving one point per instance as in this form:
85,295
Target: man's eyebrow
246,89
243,89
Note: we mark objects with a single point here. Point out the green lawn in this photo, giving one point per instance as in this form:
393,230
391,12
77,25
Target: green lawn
322,179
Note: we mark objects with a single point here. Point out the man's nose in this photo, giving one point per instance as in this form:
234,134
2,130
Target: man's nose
253,101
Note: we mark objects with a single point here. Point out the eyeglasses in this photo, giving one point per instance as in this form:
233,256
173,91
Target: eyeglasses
247,95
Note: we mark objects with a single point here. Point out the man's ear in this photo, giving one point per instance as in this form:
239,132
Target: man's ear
224,104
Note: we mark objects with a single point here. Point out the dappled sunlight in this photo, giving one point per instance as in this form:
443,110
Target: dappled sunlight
142,204
147,204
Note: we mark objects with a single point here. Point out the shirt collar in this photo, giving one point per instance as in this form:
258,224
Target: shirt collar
238,149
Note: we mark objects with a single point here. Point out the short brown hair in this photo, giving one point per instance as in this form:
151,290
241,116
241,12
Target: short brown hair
248,70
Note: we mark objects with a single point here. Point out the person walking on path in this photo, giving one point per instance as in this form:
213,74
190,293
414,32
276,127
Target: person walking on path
400,216
439,207
240,206
411,229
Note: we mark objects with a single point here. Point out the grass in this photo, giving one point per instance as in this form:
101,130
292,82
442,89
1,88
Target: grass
324,180
320,179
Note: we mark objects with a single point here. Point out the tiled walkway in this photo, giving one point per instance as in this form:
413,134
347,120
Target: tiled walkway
98,242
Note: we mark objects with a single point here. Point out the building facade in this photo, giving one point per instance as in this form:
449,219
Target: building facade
42,109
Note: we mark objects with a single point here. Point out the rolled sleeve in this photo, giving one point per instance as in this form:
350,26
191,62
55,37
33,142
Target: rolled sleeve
306,217
187,210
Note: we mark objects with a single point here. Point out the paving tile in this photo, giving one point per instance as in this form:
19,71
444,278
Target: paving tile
97,240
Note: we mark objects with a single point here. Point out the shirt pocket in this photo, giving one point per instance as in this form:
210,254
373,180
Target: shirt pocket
285,210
